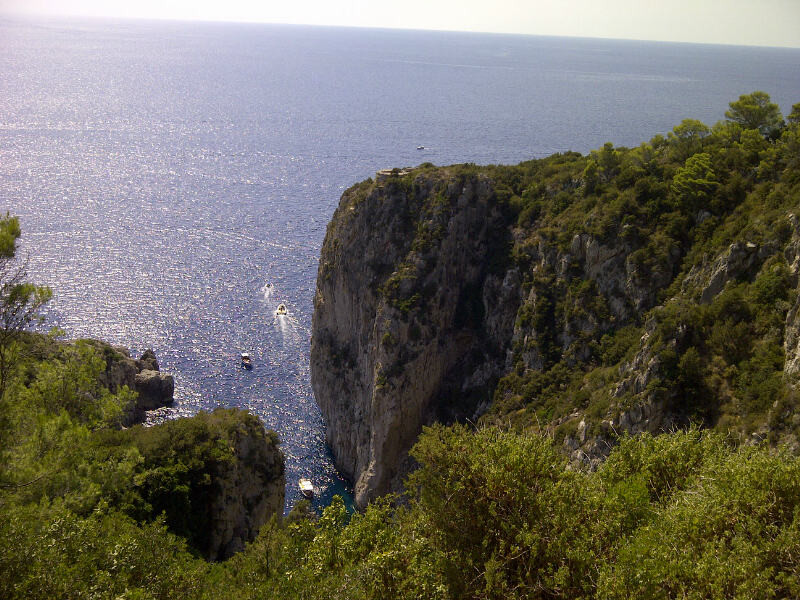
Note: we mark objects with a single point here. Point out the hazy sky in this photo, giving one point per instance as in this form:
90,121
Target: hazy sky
749,22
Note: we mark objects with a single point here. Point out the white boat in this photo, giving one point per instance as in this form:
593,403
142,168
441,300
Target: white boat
281,309
247,362
306,488
420,147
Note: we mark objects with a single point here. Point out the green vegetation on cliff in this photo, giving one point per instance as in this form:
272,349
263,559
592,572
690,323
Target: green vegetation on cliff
704,221
662,276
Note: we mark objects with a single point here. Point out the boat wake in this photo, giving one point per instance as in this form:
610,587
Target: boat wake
267,291
289,327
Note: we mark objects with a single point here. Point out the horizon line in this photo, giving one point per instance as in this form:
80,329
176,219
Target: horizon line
26,16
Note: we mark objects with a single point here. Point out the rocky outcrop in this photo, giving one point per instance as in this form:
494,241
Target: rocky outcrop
217,477
741,259
792,333
247,491
792,340
153,388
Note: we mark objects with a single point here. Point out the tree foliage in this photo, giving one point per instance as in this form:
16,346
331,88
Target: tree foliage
695,182
20,300
755,111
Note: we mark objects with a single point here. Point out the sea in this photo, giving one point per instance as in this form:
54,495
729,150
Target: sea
174,179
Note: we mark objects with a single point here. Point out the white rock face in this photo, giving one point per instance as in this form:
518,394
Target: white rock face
397,321
791,344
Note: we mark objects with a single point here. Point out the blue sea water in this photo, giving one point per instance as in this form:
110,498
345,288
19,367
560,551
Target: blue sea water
174,180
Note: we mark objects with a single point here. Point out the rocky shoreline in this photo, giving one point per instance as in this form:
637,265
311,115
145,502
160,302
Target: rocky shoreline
153,388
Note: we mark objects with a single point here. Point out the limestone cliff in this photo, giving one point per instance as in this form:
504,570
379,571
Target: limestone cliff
625,291
395,327
153,388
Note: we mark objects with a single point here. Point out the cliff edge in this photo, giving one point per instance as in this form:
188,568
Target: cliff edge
225,476
395,326
625,291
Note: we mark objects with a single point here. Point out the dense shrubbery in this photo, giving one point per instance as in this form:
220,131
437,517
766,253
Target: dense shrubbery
490,514
49,551
673,205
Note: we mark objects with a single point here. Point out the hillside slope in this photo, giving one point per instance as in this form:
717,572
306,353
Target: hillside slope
628,290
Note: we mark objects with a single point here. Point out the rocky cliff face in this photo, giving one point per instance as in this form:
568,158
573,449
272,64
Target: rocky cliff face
247,491
396,327
420,310
792,336
153,388
515,296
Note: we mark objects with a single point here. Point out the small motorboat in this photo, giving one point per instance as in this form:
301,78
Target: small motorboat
306,488
420,147
281,309
247,362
